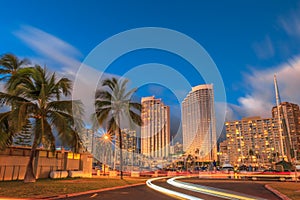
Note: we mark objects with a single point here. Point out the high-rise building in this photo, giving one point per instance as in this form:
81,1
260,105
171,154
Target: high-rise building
251,140
129,147
129,140
88,140
198,123
290,124
155,132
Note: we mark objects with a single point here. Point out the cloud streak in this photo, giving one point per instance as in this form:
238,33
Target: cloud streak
59,54
63,59
291,23
264,49
260,97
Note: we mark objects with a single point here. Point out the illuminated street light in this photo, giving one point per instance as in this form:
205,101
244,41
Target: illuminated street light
106,138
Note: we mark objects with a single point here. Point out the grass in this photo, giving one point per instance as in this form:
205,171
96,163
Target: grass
49,187
290,189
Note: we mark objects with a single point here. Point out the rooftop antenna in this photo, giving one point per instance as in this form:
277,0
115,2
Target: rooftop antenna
278,101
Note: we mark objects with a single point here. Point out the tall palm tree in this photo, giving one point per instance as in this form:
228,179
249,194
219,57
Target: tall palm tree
36,96
9,65
114,107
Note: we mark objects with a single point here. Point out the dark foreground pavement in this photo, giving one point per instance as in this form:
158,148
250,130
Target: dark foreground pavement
143,192
138,192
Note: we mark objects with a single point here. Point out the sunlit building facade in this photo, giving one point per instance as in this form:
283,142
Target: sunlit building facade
129,148
252,140
290,124
155,132
198,123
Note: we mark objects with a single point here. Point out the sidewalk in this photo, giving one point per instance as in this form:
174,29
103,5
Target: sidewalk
94,191
276,192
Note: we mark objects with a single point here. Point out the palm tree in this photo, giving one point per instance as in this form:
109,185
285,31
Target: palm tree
36,96
9,65
114,106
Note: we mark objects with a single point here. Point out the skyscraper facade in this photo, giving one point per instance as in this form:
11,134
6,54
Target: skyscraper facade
290,124
129,148
155,132
255,140
252,140
198,123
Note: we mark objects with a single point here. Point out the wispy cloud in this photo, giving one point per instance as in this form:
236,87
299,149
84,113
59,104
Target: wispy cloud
264,49
258,84
63,58
260,97
57,53
291,22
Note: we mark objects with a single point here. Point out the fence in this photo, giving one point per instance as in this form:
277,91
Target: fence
14,160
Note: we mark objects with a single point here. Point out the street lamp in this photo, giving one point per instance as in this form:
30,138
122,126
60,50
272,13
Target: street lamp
106,138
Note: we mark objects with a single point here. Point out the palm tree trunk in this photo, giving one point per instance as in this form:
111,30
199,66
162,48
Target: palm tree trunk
121,153
30,175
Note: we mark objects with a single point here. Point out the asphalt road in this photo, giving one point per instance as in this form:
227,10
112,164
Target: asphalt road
145,193
254,188
139,192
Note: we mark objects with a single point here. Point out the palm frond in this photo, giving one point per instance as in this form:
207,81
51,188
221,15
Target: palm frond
9,99
103,104
62,106
135,118
129,94
103,95
6,134
135,105
102,115
64,85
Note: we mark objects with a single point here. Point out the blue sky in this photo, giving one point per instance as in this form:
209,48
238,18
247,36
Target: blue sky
249,41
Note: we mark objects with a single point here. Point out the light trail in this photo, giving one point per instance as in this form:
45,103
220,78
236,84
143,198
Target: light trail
167,191
210,190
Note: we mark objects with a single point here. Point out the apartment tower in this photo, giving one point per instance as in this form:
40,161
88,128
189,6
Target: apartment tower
252,140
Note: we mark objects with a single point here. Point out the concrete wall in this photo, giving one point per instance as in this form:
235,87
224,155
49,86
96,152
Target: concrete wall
14,160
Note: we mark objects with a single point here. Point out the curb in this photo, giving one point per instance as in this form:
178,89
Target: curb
92,191
277,193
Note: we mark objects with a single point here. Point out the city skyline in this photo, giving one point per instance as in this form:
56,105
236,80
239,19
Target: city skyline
247,54
149,99
248,86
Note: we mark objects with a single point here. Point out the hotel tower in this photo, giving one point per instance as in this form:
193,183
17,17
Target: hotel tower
155,132
198,123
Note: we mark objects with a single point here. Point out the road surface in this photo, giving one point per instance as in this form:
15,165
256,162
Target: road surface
143,192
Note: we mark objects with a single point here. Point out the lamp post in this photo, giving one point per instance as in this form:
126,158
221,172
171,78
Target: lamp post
106,138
